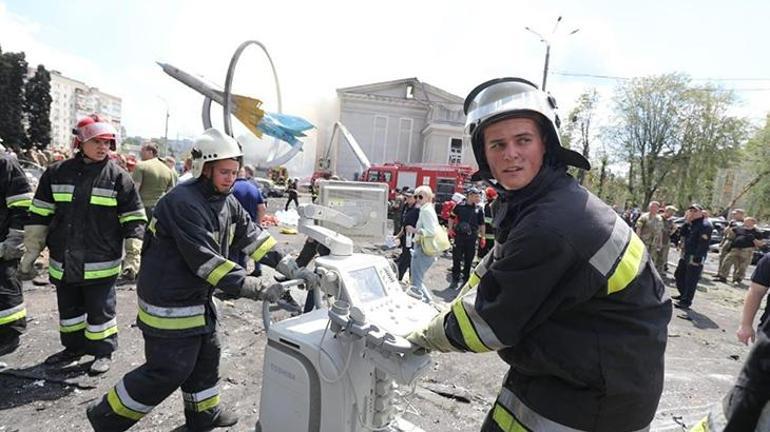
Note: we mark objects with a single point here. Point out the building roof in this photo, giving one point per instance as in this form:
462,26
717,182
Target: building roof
422,91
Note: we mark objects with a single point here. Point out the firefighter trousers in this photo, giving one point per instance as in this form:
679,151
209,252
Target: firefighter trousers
87,316
13,315
462,255
191,363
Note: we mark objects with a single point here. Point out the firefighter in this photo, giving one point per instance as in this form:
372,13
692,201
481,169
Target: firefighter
465,227
194,226
13,215
487,242
87,211
569,297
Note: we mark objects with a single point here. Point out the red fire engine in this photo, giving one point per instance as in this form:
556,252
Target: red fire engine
443,179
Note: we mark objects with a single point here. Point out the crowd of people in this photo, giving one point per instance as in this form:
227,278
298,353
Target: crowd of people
570,294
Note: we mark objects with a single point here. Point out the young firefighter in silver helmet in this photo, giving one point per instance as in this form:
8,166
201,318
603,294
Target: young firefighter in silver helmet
184,258
568,297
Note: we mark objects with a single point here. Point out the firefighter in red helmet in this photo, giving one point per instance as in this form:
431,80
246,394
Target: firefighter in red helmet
86,211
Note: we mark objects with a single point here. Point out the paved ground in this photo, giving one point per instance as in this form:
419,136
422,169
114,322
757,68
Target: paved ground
703,357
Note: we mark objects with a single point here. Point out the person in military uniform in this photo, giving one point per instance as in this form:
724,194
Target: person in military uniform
741,241
668,229
736,220
649,227
465,226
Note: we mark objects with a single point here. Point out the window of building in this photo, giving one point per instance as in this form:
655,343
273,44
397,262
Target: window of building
404,140
455,150
380,139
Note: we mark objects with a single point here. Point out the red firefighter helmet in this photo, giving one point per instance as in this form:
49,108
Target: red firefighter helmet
92,126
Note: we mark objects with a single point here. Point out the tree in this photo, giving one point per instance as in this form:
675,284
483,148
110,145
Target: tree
674,137
37,107
578,128
757,153
13,68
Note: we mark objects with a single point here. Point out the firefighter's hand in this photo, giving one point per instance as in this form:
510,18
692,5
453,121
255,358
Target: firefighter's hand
745,334
288,267
432,337
252,288
272,293
13,246
482,242
27,266
451,233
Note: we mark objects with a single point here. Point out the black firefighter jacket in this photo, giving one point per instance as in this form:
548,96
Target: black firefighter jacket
184,258
89,209
571,301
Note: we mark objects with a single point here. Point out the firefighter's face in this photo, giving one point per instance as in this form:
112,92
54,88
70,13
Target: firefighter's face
514,149
223,173
96,149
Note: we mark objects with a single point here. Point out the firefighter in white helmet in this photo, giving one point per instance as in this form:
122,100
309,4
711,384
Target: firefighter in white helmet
86,210
568,297
193,229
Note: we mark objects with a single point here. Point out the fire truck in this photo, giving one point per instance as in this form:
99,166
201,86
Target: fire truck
443,179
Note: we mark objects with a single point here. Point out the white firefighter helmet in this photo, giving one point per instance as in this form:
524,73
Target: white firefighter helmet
503,98
213,145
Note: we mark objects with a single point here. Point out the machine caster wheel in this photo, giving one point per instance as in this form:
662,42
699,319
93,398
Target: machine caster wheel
258,427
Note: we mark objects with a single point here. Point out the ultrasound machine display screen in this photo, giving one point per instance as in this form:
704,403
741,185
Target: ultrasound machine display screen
368,284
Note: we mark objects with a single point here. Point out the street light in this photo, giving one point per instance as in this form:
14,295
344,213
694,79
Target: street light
547,42
165,133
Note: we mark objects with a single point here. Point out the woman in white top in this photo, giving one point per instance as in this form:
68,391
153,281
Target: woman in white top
427,224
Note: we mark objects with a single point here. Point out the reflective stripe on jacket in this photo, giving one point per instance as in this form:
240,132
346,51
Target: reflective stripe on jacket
17,196
570,299
184,258
89,209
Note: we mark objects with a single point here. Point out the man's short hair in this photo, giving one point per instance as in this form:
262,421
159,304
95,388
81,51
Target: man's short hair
151,147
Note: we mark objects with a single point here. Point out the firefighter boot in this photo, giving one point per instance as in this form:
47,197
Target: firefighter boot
220,418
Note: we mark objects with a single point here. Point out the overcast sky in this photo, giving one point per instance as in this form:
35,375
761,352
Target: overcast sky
321,46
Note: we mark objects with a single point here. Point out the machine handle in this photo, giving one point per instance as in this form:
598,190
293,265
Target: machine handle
285,285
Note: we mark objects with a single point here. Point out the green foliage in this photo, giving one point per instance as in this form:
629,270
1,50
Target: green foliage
757,155
674,136
13,68
38,108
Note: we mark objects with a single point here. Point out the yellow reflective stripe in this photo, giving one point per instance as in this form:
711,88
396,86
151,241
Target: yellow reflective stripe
73,328
117,406
489,236
102,201
628,267
62,197
474,280
219,272
13,317
137,215
104,334
96,274
263,248
470,337
207,404
55,273
176,323
151,225
506,421
40,211
20,203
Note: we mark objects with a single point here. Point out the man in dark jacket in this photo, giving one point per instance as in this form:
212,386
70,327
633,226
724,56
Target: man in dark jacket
16,196
194,226
409,215
695,238
465,225
87,211
568,298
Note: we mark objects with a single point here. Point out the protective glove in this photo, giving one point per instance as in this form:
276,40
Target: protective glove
34,242
482,242
251,288
451,233
133,249
288,267
13,246
432,337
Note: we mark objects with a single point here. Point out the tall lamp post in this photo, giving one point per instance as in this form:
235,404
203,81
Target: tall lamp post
547,42
165,133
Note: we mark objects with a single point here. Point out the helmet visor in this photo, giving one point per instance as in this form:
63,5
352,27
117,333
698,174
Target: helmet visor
507,96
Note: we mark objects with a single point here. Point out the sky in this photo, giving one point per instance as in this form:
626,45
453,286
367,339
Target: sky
318,47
